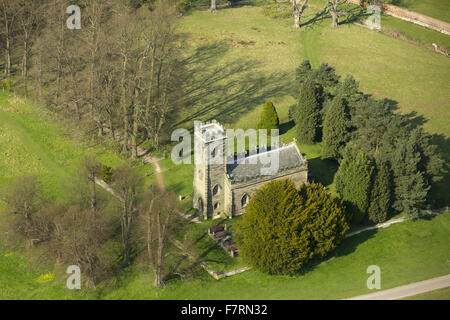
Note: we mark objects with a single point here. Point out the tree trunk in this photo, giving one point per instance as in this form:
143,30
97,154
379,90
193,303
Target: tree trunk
25,65
124,107
334,15
213,6
298,12
93,193
8,56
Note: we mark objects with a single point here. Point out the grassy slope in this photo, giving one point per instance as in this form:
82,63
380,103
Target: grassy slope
231,80
441,294
31,143
438,9
236,79
407,252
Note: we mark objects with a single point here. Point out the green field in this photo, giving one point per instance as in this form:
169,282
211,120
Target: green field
32,143
237,59
407,252
240,58
438,9
441,294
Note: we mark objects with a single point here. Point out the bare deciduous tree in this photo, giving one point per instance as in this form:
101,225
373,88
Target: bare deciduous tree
127,181
79,237
333,8
160,221
298,12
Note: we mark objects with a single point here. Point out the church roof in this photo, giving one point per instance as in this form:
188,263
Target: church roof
257,165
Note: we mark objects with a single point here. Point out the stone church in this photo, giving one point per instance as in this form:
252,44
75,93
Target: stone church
225,184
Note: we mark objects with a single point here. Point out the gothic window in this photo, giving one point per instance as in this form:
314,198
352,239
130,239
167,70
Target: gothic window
216,206
244,201
200,205
213,153
216,189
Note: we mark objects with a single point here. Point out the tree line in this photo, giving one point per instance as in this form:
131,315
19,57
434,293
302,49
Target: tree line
387,163
122,71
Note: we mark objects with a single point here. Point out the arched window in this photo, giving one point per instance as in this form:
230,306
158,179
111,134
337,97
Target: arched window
213,153
216,206
216,189
200,205
244,201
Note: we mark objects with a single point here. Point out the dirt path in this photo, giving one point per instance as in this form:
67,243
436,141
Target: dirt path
154,161
407,290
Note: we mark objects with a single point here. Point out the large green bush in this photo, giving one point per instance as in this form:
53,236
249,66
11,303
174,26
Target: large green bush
269,118
284,228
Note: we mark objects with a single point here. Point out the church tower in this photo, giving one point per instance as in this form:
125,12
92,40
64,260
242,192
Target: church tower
210,168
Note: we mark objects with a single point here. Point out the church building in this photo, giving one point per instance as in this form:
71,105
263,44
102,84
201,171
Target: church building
225,184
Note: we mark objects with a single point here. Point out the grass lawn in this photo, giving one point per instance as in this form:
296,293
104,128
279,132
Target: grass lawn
438,9
32,143
412,31
441,294
406,252
240,58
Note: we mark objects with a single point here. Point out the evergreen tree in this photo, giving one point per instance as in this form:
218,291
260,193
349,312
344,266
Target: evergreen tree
269,118
303,72
380,196
326,76
270,236
349,91
307,114
410,185
283,228
335,129
353,182
371,119
327,220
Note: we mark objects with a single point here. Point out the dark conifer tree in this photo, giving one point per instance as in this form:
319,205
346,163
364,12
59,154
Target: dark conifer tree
307,115
335,129
380,196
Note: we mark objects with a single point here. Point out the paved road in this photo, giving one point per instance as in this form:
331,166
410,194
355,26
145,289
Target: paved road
407,290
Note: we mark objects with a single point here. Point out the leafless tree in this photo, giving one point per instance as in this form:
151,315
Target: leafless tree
335,14
298,11
91,167
159,221
127,181
30,20
9,12
78,239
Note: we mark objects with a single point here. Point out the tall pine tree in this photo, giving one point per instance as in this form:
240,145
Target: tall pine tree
353,181
307,114
335,129
380,196
410,184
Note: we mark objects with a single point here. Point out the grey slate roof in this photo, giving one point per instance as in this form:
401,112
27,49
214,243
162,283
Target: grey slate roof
251,167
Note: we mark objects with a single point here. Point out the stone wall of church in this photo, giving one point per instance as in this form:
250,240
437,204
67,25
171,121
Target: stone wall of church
240,189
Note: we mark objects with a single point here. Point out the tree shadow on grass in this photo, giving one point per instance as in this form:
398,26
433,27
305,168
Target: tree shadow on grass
285,127
226,91
322,170
346,247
